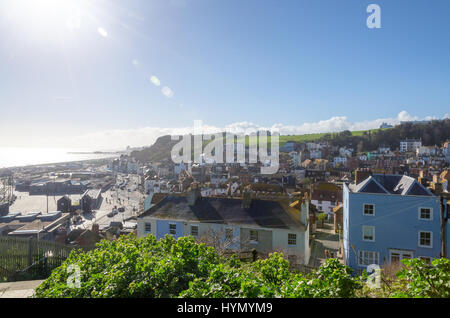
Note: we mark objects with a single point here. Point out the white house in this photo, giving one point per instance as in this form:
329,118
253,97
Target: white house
339,160
410,145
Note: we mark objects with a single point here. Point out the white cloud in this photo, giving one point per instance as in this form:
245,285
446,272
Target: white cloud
404,116
116,139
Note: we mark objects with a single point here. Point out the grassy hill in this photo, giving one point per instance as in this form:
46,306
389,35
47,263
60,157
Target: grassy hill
160,150
431,133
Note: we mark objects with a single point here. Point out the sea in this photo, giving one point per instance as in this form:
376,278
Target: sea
19,157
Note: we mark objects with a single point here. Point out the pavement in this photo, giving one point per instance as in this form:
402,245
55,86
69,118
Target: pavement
23,289
26,203
324,239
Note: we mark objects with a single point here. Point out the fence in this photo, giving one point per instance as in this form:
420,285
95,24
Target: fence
29,258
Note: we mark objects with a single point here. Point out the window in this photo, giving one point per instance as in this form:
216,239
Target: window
369,209
172,229
425,239
368,233
194,230
253,236
319,202
397,255
292,239
425,214
148,227
366,258
427,259
228,234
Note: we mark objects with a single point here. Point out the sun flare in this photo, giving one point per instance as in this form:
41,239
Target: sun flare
38,15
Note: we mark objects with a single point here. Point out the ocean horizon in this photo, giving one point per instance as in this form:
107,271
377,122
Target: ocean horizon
20,157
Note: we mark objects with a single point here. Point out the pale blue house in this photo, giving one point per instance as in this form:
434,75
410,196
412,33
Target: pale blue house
235,224
388,218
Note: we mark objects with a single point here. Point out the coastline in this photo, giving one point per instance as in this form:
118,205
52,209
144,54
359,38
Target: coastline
46,165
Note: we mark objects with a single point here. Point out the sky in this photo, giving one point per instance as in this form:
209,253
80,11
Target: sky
104,74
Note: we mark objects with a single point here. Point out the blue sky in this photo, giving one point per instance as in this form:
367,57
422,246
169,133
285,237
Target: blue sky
83,68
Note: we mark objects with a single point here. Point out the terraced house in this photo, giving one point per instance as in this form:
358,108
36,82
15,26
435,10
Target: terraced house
236,224
387,218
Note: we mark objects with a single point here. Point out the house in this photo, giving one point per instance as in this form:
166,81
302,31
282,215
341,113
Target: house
339,160
345,152
385,125
90,200
383,149
388,218
315,154
34,224
64,204
337,220
295,158
236,224
410,145
289,146
325,196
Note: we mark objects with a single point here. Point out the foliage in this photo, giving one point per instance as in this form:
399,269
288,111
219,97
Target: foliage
322,216
131,267
145,267
419,279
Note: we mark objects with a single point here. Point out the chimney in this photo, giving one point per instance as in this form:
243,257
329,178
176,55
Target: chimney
246,199
362,174
194,194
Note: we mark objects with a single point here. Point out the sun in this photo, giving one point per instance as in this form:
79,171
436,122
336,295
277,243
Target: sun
47,14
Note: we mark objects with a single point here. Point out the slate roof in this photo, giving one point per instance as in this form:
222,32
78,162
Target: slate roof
391,184
262,213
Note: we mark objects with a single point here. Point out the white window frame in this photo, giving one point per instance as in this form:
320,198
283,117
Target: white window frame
431,213
291,239
368,226
250,237
431,239
401,254
145,227
194,226
364,209
375,258
170,230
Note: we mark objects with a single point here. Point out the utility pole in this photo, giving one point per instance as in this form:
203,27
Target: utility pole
443,225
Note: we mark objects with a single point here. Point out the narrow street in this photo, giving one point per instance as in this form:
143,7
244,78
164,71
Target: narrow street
324,239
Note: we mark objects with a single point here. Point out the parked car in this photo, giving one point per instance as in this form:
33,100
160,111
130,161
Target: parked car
112,213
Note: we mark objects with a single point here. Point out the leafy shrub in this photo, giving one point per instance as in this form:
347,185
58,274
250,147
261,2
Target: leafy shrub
321,217
145,267
419,279
131,267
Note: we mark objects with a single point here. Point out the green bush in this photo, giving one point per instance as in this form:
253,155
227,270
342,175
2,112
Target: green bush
145,267
321,217
131,267
418,279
